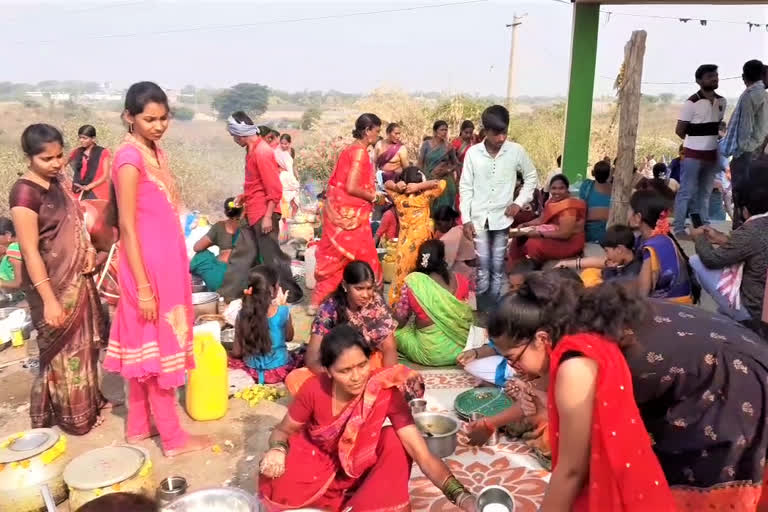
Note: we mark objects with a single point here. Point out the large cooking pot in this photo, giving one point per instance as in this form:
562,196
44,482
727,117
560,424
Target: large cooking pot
224,499
29,460
440,432
107,470
205,303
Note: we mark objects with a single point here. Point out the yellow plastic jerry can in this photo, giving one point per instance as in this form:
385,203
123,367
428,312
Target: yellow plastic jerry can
207,394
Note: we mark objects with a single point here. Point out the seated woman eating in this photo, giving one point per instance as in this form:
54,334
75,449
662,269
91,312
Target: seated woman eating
459,250
262,330
332,451
437,299
665,273
558,232
223,234
357,303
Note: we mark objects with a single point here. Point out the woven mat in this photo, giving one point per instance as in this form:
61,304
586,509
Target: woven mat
508,463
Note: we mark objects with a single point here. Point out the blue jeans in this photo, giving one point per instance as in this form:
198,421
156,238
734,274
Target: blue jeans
491,251
697,179
708,279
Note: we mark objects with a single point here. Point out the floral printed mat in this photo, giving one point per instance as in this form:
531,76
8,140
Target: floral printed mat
507,463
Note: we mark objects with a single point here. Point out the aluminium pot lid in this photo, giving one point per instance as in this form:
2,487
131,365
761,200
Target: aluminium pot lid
27,444
103,467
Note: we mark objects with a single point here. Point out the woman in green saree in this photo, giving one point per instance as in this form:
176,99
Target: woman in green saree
437,299
438,161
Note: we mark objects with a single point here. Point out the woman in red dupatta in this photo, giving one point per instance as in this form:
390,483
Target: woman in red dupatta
465,140
602,456
330,451
558,233
350,195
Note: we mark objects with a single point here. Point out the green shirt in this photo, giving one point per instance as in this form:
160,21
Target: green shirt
6,267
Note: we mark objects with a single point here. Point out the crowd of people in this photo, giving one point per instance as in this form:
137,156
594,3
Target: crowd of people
635,399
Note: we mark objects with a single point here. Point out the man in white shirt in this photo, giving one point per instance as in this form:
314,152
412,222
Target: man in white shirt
699,125
487,190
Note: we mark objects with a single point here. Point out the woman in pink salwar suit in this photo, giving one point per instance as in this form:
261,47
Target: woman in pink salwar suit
150,344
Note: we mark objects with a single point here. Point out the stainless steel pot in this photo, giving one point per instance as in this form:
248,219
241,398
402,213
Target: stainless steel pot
225,499
171,489
205,303
29,460
440,431
495,495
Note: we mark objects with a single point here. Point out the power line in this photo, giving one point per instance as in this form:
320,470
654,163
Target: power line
248,25
674,18
689,82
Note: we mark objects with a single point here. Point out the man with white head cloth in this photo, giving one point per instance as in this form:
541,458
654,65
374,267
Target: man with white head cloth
257,241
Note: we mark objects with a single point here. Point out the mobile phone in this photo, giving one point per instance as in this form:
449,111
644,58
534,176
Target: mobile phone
696,220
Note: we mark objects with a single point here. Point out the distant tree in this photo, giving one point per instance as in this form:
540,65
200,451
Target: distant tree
310,117
666,97
650,99
183,113
250,98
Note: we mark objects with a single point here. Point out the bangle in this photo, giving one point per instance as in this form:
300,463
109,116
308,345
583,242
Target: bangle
91,249
143,286
453,489
283,446
35,285
578,263
477,354
147,300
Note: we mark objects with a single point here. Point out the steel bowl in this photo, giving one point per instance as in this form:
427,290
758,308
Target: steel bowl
439,431
171,489
418,405
228,338
498,496
224,499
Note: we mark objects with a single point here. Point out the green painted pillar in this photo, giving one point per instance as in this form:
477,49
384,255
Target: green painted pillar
578,116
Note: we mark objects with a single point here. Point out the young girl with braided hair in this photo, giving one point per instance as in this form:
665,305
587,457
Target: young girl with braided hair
263,327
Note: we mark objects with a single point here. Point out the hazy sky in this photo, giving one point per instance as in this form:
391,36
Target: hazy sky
458,48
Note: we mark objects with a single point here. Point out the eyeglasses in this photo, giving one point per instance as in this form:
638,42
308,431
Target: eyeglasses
514,362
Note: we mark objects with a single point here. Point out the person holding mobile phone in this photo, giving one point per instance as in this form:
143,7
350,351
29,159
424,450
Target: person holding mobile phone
732,268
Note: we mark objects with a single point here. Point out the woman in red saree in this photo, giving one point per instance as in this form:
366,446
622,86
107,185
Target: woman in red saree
330,451
58,262
558,233
465,140
350,195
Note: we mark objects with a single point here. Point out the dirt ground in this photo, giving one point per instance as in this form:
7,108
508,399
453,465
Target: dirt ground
246,428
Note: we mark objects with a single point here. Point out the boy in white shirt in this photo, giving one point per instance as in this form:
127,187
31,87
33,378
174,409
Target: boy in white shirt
488,205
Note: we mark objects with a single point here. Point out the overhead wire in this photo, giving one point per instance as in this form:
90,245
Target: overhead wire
211,28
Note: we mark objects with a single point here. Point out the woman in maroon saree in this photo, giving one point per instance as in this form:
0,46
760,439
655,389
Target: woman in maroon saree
330,452
65,308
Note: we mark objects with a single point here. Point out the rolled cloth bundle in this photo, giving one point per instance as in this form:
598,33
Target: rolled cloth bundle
241,129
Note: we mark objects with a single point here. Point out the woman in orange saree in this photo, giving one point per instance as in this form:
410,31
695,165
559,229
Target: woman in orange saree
558,232
331,450
350,195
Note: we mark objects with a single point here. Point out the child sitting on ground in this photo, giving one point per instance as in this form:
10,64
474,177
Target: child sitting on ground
263,327
10,265
620,261
413,199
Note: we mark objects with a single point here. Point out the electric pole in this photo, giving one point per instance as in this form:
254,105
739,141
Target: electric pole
516,22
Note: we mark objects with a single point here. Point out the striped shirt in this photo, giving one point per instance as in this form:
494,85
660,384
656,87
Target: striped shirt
703,117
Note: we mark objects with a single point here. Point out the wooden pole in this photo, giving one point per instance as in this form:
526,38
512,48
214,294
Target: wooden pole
629,113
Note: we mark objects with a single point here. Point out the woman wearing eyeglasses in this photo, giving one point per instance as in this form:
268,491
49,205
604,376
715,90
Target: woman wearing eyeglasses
651,405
